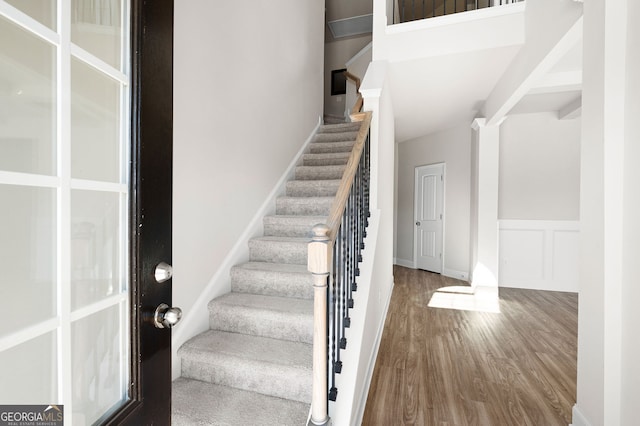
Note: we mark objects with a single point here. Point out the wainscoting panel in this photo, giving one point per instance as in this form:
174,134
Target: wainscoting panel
539,254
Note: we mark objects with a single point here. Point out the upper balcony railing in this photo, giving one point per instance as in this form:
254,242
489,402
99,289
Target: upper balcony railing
413,10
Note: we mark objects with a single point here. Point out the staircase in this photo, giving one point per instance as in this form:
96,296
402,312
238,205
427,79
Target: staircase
254,364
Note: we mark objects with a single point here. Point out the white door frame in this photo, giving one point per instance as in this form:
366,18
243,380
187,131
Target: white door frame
415,212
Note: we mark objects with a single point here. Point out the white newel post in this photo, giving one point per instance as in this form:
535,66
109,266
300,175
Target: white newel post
318,264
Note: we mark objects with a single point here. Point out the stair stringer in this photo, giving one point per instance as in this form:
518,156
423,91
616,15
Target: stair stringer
196,321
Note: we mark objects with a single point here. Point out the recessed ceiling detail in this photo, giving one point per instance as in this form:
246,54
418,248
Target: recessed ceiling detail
347,27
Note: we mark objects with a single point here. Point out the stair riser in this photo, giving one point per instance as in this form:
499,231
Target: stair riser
329,147
336,161
278,252
340,127
303,206
270,283
319,172
289,383
303,188
335,137
289,230
275,325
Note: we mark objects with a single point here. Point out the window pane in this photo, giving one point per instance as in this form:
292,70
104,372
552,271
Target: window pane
27,256
43,11
95,247
96,27
95,124
98,360
27,102
29,372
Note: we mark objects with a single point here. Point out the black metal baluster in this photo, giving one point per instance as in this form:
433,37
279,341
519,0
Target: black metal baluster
333,392
340,302
345,264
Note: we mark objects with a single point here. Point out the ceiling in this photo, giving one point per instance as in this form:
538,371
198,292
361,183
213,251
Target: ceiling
338,10
451,89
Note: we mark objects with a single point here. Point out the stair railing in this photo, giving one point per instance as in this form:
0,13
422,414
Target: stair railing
412,10
333,258
355,114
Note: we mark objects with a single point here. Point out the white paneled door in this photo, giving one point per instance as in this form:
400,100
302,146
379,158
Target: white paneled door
65,184
429,205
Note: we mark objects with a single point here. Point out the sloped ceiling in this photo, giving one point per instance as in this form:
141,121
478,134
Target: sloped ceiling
450,90
339,9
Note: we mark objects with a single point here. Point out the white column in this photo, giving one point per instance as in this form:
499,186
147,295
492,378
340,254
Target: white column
603,293
484,208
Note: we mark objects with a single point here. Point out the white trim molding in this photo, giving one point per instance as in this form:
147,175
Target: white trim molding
404,262
452,273
578,418
539,254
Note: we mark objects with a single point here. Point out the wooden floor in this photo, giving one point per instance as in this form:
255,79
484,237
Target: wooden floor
452,367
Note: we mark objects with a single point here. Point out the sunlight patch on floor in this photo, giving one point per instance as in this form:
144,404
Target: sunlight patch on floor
462,298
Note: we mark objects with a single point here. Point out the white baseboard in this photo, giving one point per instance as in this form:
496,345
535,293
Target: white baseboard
197,319
452,273
578,418
404,262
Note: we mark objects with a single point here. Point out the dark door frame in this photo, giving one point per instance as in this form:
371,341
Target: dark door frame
151,210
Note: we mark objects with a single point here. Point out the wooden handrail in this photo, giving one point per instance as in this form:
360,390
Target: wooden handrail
354,78
339,203
355,114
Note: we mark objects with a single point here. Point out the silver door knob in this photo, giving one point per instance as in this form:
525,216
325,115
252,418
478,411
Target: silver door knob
163,272
166,317
418,223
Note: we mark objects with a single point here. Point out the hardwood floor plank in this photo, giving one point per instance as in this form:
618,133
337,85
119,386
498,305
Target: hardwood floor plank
441,366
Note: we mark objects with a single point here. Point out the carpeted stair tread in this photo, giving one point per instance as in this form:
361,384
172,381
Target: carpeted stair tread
331,119
312,188
243,347
197,403
267,316
340,127
319,172
304,205
335,137
291,225
276,249
325,147
272,279
328,159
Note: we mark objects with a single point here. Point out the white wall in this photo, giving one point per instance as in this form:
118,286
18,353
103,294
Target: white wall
539,168
336,55
630,397
452,147
247,94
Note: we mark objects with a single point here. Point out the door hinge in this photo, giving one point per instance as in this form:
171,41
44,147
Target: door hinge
440,216
440,255
442,178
